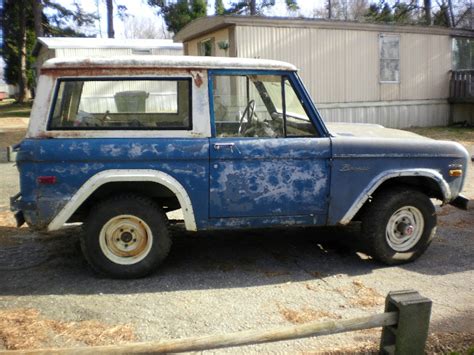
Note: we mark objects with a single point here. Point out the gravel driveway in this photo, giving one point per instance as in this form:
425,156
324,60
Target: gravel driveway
214,283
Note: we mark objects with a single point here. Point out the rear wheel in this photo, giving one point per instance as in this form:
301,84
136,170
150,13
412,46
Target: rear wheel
126,237
398,225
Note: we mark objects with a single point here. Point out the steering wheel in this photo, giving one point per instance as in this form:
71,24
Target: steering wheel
250,112
105,117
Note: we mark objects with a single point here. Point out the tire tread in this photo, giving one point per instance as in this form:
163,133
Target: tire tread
374,219
116,202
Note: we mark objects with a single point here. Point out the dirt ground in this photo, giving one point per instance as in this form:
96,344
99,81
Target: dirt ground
13,122
215,283
12,130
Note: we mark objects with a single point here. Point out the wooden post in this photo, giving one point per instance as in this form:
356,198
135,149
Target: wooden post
232,339
409,335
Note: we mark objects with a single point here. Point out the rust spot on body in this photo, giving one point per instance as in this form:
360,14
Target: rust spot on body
197,78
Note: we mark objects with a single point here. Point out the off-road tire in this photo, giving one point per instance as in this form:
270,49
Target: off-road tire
136,206
376,216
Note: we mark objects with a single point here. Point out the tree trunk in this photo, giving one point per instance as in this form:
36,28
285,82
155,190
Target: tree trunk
253,7
428,12
451,13
329,9
110,19
23,90
38,15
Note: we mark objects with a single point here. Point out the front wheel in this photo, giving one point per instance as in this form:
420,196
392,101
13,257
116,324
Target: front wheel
126,237
398,225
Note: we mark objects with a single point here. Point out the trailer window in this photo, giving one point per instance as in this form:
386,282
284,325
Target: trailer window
389,58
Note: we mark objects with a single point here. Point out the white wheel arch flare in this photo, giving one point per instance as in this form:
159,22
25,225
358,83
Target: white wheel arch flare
119,175
389,174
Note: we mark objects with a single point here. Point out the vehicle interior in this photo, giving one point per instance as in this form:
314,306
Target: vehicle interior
258,106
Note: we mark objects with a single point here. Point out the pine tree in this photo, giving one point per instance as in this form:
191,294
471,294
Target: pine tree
219,7
23,21
19,38
178,14
250,7
381,12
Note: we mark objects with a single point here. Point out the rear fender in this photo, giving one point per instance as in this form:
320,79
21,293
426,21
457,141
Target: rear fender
115,175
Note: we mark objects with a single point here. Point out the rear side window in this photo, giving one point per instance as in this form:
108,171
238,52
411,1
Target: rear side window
122,104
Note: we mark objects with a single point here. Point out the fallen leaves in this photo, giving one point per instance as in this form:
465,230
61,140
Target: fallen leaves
305,314
26,328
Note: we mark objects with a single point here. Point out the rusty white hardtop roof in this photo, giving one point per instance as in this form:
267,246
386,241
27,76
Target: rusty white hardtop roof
86,42
162,61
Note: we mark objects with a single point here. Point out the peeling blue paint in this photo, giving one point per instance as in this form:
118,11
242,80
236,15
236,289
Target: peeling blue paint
74,161
243,183
269,177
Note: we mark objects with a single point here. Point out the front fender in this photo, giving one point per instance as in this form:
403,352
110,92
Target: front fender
387,175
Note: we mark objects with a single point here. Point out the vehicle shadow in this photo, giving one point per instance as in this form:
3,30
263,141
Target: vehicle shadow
212,260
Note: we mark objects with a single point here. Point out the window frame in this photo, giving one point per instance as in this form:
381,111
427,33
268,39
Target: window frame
381,36
59,80
296,84
284,108
202,44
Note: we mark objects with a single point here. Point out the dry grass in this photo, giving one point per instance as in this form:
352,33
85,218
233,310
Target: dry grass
9,233
10,137
305,314
437,343
22,329
450,216
7,219
465,223
449,343
445,211
360,295
10,108
13,122
366,296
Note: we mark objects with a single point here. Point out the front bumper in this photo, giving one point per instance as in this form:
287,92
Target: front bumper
461,202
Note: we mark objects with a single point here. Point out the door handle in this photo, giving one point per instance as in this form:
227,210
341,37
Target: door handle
231,146
218,146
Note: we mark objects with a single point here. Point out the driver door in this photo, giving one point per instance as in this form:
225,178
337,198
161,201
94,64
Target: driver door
260,164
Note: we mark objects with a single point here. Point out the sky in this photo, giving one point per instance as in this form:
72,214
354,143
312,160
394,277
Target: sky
140,9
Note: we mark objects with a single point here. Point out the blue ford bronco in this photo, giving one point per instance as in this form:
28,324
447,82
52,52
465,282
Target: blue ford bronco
116,143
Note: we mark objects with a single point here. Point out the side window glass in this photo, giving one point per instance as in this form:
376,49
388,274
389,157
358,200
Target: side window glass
258,106
122,104
243,106
298,122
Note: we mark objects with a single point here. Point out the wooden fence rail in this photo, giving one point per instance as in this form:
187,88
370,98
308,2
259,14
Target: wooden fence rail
405,329
461,86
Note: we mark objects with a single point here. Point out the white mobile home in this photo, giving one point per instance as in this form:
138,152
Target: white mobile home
56,47
397,76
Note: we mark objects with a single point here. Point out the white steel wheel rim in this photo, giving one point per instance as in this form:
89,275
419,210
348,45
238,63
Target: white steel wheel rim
405,228
126,239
